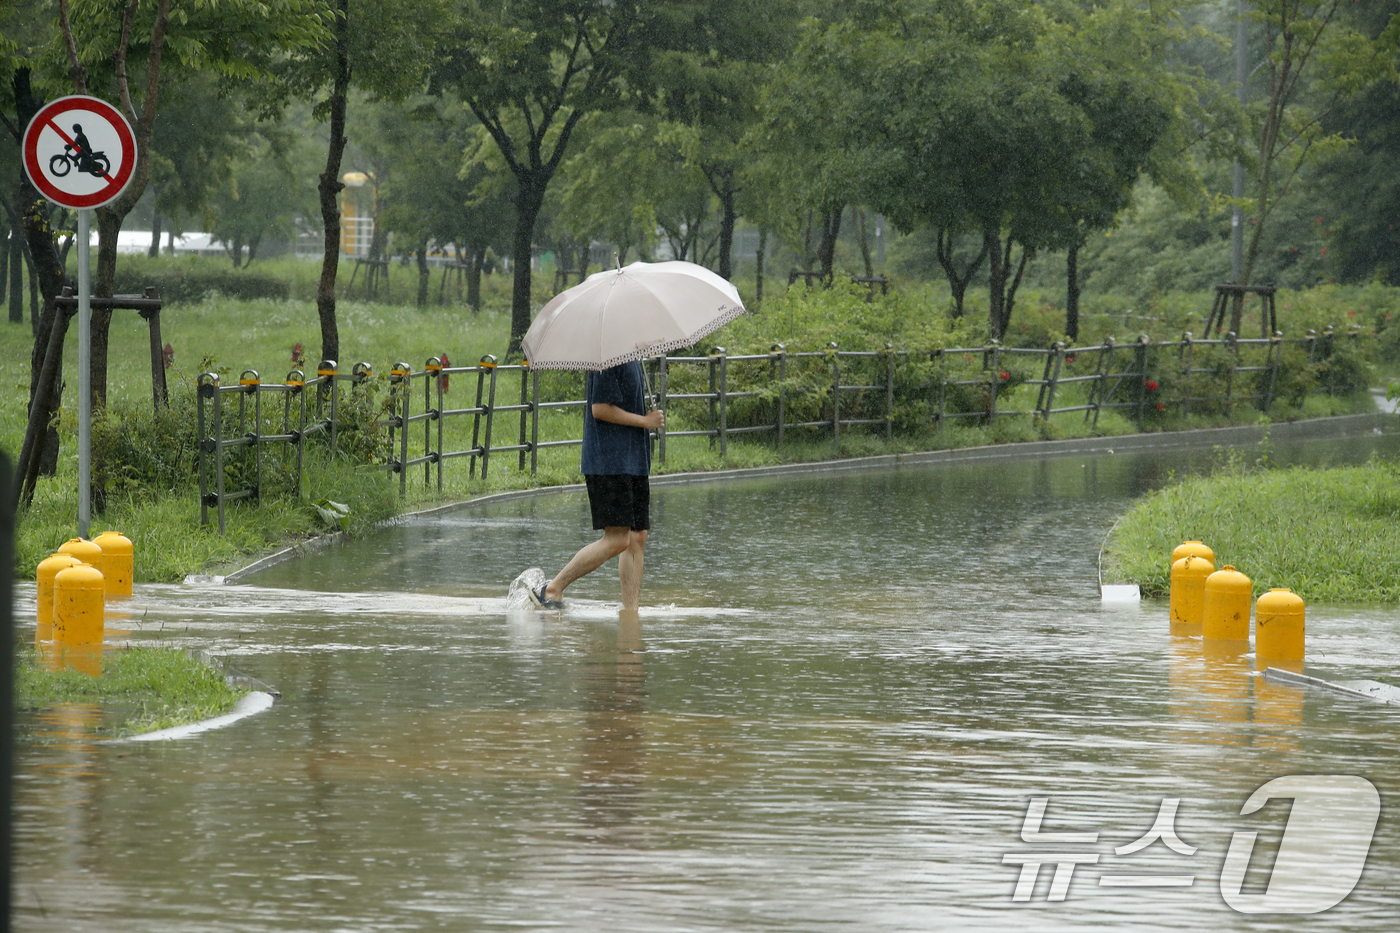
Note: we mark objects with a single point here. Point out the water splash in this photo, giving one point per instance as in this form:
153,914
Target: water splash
519,595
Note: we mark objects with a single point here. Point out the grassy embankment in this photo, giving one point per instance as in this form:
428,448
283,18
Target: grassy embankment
141,689
153,494
1330,535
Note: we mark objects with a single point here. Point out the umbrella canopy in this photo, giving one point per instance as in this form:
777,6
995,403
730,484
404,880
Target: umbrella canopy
630,313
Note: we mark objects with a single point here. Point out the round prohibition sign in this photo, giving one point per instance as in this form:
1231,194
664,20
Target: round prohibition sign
79,152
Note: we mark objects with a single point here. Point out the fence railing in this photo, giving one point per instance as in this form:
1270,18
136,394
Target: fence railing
719,395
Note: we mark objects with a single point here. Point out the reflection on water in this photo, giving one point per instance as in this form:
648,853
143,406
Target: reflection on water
835,710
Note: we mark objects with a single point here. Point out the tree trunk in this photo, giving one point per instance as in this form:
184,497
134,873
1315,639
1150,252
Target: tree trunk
109,224
1072,292
154,249
1001,293
424,274
476,257
758,267
826,250
15,254
528,201
958,280
864,242
235,250
329,188
728,217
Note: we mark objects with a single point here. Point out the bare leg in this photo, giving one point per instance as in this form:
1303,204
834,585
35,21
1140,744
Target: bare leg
589,558
629,569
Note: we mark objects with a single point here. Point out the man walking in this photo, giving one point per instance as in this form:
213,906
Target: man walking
616,467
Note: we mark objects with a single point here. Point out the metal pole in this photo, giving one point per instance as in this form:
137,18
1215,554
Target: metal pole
1241,79
84,375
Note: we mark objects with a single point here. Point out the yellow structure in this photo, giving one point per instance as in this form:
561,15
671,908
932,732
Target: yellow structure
84,550
118,562
1279,625
1187,588
78,593
1227,595
43,579
1192,549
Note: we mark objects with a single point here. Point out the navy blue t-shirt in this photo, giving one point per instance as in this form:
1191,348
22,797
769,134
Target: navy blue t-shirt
612,449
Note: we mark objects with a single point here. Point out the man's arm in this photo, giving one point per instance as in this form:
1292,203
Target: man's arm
652,420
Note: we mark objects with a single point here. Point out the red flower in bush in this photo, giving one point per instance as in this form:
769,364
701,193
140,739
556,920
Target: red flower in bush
1161,406
1151,385
1004,376
298,354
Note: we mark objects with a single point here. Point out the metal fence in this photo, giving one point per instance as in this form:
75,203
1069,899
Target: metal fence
718,395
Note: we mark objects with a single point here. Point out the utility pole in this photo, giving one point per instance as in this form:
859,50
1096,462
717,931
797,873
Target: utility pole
1241,78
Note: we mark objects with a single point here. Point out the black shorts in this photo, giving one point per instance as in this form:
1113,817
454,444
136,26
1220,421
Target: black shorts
619,500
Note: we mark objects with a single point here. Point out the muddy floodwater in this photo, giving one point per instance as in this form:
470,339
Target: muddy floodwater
861,701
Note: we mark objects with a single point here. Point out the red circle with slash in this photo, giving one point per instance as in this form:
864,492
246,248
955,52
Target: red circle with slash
79,152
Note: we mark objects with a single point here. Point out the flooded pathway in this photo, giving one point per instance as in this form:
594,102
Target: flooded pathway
843,698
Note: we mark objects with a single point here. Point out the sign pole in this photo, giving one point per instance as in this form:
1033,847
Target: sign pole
84,375
79,153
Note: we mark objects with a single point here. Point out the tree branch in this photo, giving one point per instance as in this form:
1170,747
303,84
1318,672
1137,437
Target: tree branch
123,88
76,71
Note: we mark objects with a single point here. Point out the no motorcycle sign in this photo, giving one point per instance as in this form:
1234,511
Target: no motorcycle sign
79,152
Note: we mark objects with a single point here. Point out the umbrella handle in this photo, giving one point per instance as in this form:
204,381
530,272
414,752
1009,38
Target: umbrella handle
646,385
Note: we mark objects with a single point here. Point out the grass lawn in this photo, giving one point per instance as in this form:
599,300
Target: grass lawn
140,689
1327,534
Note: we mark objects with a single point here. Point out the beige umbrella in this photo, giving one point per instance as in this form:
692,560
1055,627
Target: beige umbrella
630,313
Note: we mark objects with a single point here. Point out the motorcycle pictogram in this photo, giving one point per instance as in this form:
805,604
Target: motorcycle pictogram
78,154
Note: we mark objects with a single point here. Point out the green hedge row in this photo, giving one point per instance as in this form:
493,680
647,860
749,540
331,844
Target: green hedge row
190,286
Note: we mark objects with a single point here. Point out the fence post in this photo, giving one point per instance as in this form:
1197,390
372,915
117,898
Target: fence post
994,348
327,371
889,394
488,362
723,400
534,421
1275,351
524,408
206,386
1057,355
249,383
1140,365
476,417
713,402
941,382
399,381
1185,355
778,353
1232,349
1311,341
831,348
1099,392
297,380
663,371
433,367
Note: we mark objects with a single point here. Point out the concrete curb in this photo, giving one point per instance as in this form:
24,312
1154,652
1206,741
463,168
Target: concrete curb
1340,426
251,703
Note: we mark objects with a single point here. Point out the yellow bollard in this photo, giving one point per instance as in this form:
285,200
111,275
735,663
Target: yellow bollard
1225,605
84,550
78,605
1279,625
118,562
1188,582
1192,549
43,579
